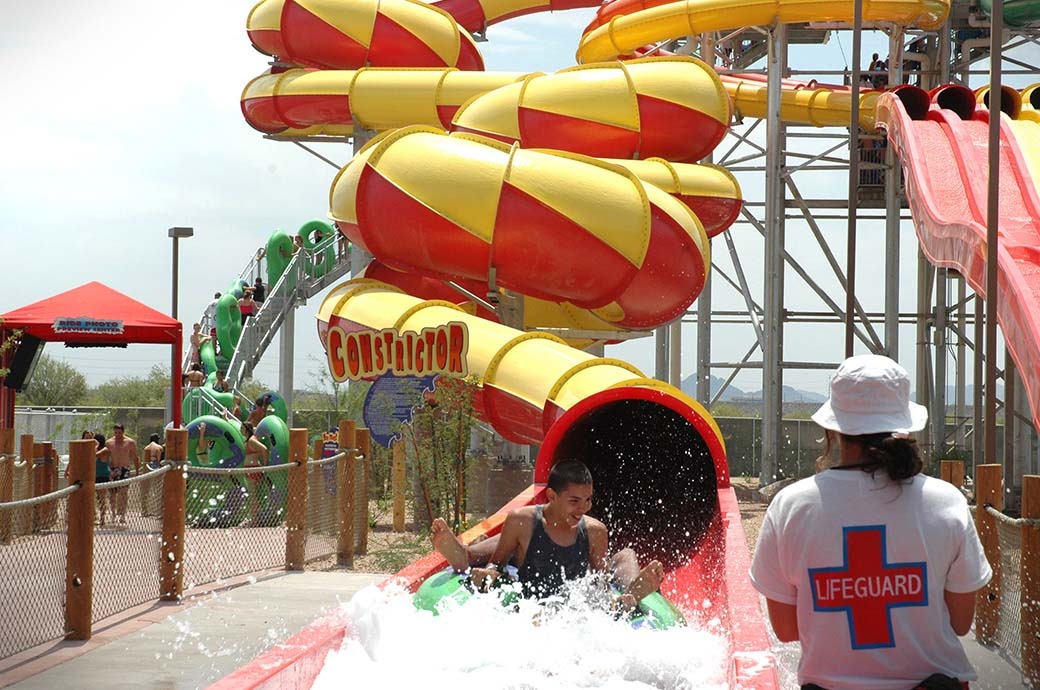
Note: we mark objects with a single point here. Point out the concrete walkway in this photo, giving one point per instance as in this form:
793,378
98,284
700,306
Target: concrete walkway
188,645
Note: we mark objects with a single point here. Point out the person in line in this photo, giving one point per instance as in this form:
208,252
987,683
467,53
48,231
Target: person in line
259,410
195,375
551,543
870,565
209,315
221,385
154,452
197,340
256,456
259,291
122,450
101,475
202,445
234,413
246,305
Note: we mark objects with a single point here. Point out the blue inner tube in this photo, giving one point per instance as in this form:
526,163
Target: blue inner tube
654,609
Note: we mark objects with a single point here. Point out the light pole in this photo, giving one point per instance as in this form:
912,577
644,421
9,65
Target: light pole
176,234
175,360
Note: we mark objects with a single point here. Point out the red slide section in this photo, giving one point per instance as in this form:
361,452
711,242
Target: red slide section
944,153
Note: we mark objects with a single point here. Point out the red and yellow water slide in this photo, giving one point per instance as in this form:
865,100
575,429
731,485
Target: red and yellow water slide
579,190
942,140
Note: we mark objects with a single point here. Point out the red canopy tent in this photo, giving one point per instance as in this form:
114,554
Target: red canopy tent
93,315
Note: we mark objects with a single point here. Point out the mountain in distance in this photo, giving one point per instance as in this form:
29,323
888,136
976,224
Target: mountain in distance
732,393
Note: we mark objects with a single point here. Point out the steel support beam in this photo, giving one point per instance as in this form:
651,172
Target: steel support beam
773,300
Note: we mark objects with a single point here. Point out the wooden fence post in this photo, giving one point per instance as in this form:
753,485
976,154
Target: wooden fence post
397,481
79,548
175,489
296,518
988,491
345,495
1029,617
6,482
364,445
952,471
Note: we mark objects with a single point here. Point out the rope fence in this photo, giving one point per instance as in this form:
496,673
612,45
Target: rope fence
70,557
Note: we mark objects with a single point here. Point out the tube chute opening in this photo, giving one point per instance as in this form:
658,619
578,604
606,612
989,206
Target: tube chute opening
654,477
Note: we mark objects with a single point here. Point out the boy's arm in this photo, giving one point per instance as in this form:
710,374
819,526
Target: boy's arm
598,544
507,543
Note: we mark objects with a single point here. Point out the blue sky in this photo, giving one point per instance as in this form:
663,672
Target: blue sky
122,122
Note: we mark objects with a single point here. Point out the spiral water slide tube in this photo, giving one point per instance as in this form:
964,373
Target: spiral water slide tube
942,141
517,161
1017,13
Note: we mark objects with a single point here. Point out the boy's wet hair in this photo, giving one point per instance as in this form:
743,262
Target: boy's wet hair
566,472
154,438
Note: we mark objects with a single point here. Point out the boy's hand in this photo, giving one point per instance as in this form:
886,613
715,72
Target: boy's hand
484,578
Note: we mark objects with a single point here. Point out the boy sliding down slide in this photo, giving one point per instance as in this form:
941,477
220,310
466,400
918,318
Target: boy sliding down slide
551,543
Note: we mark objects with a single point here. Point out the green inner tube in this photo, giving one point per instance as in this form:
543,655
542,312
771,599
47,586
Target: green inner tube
654,609
224,445
274,433
323,255
208,356
275,402
229,323
278,253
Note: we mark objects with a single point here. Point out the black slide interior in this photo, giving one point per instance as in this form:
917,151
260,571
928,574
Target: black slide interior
655,484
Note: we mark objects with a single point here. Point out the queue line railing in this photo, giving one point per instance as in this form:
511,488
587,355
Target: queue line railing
70,557
1008,608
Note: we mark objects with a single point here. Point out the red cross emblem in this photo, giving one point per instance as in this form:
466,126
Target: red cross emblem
867,587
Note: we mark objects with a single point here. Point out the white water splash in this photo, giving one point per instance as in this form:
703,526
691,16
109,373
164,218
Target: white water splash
577,645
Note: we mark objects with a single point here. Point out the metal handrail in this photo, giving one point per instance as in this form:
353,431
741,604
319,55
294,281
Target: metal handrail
258,331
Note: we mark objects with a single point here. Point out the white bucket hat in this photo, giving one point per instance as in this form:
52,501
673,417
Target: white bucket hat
870,394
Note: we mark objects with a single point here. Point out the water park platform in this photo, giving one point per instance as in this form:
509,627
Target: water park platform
214,632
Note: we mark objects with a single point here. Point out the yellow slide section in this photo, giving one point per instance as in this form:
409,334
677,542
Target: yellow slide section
625,34
535,375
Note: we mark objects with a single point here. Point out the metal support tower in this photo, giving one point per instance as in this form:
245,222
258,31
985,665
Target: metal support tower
803,282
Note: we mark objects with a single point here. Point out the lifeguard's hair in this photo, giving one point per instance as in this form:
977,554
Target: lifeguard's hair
566,472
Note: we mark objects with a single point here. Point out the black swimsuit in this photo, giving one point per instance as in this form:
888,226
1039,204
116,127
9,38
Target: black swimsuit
547,564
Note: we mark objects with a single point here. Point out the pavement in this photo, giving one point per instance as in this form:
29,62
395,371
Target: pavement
187,645
191,644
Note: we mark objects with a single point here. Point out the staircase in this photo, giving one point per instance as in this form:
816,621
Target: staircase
292,290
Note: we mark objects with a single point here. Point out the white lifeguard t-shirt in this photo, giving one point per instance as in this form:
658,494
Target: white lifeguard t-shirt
866,561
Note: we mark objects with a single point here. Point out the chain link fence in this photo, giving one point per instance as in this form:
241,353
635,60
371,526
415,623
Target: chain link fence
322,517
127,543
1009,625
235,522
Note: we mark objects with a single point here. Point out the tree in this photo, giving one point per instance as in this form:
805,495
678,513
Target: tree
55,383
439,437
10,341
134,391
332,401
